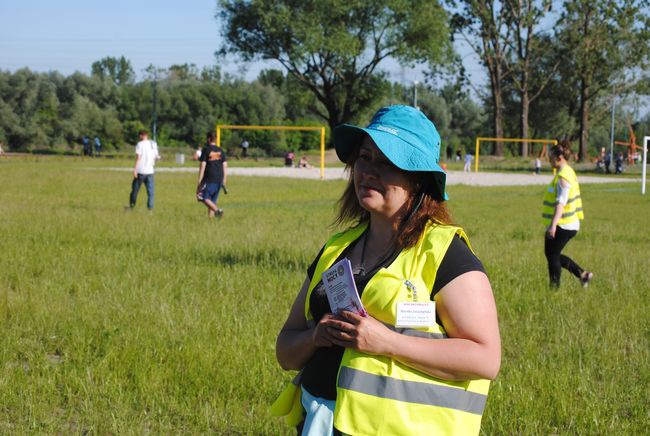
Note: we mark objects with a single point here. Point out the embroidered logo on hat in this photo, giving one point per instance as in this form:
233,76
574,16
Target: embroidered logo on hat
387,129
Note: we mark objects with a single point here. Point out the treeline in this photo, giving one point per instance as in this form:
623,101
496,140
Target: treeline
547,74
49,111
52,111
551,68
41,111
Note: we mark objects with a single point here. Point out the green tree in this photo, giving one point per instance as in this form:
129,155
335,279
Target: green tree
483,24
333,47
184,72
118,70
528,76
605,42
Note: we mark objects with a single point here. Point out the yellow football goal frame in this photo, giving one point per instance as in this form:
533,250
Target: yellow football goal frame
242,127
479,139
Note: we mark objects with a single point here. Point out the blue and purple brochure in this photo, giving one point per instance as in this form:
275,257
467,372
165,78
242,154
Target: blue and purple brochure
341,290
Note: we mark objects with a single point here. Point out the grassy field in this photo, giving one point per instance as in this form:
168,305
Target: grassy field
165,323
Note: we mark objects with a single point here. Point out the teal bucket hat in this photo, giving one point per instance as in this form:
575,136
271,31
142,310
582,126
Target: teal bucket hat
404,135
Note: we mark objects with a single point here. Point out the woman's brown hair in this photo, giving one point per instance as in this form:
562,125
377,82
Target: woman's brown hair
562,148
426,204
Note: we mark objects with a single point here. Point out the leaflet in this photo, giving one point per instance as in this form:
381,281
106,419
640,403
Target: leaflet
341,290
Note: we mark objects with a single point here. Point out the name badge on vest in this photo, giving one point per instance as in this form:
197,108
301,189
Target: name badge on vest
416,314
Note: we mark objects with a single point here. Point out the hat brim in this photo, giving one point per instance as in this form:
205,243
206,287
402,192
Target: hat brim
347,137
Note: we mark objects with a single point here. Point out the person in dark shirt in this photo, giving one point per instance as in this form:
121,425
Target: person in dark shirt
213,173
86,146
288,159
420,377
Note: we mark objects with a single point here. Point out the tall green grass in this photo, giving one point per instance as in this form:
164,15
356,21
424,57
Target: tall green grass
131,322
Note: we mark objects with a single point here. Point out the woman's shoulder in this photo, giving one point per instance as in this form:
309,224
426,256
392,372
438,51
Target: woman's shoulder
440,235
432,229
351,232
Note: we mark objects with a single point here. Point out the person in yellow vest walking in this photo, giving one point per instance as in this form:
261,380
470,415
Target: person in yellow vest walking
419,360
561,213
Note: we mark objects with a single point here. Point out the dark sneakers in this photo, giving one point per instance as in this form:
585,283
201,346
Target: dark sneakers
218,213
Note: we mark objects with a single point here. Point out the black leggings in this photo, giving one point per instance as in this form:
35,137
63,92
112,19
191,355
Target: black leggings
556,260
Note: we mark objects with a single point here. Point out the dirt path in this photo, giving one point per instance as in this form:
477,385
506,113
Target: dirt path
453,177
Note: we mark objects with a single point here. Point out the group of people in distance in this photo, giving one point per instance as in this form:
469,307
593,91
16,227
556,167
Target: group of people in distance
604,162
384,370
87,148
213,173
289,158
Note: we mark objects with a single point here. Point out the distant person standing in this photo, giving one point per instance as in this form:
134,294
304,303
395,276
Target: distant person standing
458,155
197,153
561,213
213,173
85,141
146,155
468,162
303,163
618,164
608,162
538,165
98,146
288,159
244,148
449,151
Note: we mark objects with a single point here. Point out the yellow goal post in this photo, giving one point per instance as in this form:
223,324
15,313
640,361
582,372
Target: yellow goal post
479,139
241,127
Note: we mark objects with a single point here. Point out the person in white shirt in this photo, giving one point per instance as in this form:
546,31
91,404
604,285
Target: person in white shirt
146,155
468,163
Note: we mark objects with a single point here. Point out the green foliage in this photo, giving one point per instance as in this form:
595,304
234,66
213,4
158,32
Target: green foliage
165,323
333,47
603,43
331,53
119,71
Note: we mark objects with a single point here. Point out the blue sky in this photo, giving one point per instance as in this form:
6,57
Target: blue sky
69,35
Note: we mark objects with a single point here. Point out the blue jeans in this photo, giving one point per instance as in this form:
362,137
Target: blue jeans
147,179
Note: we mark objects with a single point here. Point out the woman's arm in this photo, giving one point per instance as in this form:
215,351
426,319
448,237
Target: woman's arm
297,341
468,312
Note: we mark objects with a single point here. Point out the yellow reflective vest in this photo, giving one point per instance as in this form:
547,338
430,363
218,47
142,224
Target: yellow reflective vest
573,209
377,395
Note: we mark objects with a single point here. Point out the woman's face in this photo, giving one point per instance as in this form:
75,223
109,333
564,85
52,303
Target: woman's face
381,187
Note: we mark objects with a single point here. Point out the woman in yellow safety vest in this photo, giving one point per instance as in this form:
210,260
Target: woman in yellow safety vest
561,214
418,357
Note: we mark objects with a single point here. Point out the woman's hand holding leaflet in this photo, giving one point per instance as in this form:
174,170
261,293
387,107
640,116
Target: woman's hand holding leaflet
363,333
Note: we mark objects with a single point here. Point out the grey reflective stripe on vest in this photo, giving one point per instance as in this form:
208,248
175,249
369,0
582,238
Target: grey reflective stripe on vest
418,333
570,200
564,215
411,391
